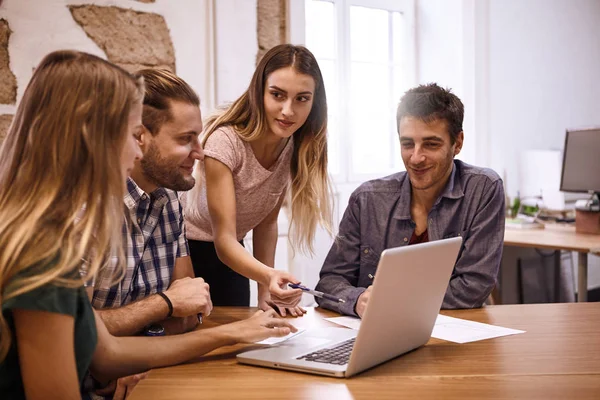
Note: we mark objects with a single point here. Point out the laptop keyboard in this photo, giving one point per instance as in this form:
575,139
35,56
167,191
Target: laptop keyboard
337,355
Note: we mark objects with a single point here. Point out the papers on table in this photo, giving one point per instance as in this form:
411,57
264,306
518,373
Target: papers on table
350,322
463,331
448,328
275,340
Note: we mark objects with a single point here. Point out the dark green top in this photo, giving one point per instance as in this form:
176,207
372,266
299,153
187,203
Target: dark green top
56,299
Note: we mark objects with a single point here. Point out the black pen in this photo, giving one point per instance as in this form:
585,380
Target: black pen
316,293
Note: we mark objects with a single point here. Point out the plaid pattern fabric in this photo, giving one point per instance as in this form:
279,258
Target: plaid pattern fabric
154,240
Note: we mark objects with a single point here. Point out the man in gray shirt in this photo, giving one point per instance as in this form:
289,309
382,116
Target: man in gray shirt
436,198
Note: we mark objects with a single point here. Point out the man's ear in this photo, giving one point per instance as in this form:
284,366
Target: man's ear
459,142
143,137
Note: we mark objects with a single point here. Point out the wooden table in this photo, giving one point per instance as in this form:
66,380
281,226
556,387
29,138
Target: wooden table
559,239
557,358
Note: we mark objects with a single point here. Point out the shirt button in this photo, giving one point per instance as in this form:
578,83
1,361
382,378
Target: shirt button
366,251
144,197
139,220
406,239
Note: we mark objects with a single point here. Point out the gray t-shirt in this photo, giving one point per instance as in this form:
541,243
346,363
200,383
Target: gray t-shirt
257,190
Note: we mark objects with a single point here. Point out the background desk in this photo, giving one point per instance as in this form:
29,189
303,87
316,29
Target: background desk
555,239
558,358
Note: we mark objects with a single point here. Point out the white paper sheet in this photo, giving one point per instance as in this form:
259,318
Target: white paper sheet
463,331
448,328
275,340
350,322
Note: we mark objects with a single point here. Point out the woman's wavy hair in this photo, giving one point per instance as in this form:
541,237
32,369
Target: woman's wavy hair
310,192
61,181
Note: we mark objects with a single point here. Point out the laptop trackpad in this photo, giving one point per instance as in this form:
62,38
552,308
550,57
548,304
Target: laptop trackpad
308,342
318,337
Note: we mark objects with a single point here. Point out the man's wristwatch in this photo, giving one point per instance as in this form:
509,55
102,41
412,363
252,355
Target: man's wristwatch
154,330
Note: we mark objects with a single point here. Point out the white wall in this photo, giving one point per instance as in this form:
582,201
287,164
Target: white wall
526,71
237,46
42,26
544,75
440,43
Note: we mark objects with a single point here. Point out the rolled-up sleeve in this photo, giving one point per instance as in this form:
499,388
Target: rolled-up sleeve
340,271
476,270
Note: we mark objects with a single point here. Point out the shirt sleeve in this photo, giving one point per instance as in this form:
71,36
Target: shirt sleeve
476,269
340,271
50,298
221,145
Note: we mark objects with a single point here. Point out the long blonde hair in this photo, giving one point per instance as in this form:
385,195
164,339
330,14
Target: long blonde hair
310,191
61,182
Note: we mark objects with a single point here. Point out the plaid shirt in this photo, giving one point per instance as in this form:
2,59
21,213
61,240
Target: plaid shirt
155,241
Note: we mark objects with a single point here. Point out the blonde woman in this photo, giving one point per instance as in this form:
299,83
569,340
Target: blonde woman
269,141
63,166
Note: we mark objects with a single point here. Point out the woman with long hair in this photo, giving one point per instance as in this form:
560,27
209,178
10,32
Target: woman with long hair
63,167
269,142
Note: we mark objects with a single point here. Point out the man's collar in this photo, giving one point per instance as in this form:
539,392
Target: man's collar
452,190
454,187
135,194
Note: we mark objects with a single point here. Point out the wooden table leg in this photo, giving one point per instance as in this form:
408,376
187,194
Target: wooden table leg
582,271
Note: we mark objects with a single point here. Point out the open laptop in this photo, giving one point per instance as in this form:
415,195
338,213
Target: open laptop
407,294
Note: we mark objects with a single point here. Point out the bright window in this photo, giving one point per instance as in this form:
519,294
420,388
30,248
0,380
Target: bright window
365,49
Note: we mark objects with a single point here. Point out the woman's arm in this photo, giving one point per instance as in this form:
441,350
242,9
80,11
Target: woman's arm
46,354
264,244
220,192
121,356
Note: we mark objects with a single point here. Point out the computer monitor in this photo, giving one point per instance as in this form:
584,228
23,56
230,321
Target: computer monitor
581,161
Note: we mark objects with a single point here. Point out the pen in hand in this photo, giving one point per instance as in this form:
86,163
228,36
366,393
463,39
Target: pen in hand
316,293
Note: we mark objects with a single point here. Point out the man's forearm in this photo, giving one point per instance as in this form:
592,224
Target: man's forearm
132,318
340,288
177,326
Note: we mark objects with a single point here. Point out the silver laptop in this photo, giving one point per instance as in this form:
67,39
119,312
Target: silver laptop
407,294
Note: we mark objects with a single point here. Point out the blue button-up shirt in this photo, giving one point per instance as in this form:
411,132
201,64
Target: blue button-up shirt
378,217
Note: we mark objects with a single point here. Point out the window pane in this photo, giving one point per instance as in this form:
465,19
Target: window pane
369,37
327,68
333,145
370,118
320,28
331,90
400,84
398,38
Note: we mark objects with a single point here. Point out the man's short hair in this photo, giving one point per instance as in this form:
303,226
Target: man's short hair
163,86
431,102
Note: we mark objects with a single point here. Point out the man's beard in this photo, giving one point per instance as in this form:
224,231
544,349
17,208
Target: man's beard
164,173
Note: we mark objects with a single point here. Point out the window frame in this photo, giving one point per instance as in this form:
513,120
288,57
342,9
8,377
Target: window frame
297,34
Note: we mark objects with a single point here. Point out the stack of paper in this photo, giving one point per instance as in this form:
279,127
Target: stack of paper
463,331
448,328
